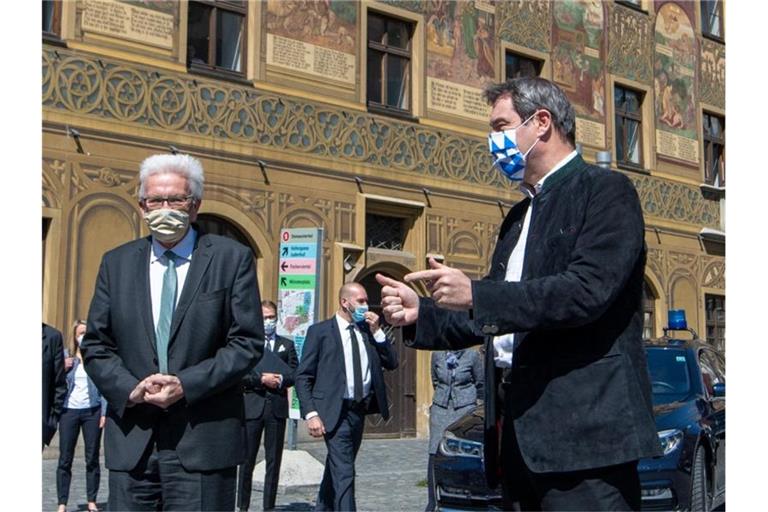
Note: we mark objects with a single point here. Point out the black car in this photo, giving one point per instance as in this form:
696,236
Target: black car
688,386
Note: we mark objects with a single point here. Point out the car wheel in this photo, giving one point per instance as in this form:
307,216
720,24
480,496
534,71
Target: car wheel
700,500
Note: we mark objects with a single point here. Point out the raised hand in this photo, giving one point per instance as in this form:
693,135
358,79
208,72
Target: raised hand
450,287
400,303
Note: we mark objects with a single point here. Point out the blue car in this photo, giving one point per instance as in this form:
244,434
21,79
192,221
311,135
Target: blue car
688,386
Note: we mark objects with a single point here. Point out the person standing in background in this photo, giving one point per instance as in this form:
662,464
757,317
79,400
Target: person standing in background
54,382
84,409
265,394
457,377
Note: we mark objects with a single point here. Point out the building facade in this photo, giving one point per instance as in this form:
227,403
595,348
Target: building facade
366,119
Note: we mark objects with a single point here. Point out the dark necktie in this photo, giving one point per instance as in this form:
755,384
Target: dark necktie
357,370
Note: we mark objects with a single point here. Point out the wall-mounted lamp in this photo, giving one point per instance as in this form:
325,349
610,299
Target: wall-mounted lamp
174,150
359,182
348,266
263,168
76,136
426,196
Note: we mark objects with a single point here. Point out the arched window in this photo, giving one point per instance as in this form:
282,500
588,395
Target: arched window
649,310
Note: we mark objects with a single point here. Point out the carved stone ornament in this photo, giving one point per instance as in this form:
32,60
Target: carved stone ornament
526,23
630,40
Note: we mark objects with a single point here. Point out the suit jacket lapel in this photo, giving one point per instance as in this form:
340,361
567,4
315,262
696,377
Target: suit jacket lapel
201,258
336,335
144,293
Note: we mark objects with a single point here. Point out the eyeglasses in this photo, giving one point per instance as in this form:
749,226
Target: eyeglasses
156,202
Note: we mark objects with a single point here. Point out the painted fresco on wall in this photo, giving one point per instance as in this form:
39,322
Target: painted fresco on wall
326,23
166,6
674,73
460,41
577,58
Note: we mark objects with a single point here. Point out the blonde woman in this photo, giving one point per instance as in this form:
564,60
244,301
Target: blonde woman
84,409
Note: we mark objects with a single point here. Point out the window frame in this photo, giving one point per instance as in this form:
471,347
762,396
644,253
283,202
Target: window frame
649,299
507,52
718,341
708,143
212,69
632,5
408,54
638,117
705,26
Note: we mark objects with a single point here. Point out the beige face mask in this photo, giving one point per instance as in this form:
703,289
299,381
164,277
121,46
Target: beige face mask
167,225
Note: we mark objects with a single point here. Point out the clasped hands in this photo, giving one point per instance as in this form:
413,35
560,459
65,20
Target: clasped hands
270,380
450,289
158,389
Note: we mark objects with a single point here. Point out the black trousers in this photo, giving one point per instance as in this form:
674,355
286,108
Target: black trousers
337,489
274,436
606,488
70,424
160,482
431,504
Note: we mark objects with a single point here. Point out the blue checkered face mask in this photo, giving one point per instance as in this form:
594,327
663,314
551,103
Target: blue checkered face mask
508,158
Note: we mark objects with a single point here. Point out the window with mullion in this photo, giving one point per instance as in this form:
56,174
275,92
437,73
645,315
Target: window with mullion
712,19
629,122
714,150
649,311
215,39
389,63
715,312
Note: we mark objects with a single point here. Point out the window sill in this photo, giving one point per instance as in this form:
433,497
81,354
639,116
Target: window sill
218,73
53,39
632,6
714,38
712,192
399,114
634,168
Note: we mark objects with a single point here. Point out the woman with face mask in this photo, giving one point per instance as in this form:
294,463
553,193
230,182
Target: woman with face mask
84,409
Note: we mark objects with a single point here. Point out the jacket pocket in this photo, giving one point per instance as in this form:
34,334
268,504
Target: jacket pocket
214,295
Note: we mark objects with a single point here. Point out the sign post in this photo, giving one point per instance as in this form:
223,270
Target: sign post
297,297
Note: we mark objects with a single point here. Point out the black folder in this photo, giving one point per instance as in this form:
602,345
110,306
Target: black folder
271,363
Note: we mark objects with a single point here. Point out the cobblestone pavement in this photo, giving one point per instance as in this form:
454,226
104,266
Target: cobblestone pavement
391,476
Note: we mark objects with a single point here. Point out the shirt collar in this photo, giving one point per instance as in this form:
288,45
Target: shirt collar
531,191
182,250
343,324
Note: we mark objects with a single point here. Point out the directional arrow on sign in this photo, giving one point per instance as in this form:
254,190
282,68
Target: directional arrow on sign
283,282
285,251
284,266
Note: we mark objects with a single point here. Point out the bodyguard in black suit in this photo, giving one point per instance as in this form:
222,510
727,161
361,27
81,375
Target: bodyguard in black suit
54,381
266,410
339,381
559,313
174,325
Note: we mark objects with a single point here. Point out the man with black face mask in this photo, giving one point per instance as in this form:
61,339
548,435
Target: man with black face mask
174,325
339,381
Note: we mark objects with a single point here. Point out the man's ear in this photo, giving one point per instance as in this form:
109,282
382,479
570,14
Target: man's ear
544,122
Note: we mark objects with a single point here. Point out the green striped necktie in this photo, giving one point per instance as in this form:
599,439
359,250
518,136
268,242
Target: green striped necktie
167,305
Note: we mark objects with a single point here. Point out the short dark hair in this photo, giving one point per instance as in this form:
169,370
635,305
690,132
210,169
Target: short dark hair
530,94
269,304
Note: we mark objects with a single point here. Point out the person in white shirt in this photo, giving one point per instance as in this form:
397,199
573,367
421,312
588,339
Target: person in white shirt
339,381
84,410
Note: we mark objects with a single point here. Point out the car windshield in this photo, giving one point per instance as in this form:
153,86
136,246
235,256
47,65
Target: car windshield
670,379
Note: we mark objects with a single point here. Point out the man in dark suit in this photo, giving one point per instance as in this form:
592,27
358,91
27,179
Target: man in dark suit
559,313
54,381
174,325
266,410
339,381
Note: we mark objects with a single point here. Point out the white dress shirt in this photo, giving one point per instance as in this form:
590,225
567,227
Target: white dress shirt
346,342
502,345
158,264
79,397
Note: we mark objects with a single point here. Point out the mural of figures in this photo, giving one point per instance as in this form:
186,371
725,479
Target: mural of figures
460,42
674,71
326,23
577,56
674,83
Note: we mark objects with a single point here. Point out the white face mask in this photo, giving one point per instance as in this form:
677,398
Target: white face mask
167,225
269,326
79,339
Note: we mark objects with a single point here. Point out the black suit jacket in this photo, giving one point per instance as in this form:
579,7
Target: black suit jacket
54,381
321,378
216,338
256,394
580,392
